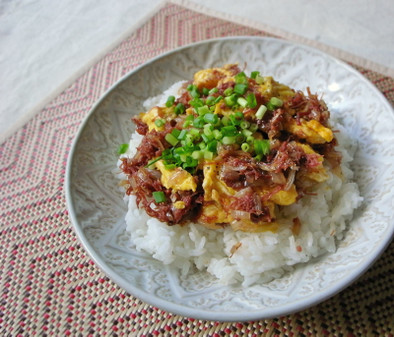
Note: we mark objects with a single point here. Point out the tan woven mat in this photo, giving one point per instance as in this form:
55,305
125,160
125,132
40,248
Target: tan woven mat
48,284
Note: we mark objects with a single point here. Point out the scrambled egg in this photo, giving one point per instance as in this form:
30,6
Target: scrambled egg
270,88
319,173
177,179
155,113
285,198
209,78
312,131
218,196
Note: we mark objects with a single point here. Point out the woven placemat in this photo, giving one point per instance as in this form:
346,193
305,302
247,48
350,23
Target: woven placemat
49,286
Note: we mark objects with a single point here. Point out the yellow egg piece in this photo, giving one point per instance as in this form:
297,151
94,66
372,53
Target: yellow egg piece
176,179
312,131
285,198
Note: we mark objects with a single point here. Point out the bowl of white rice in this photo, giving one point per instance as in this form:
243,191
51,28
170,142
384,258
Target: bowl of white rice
192,270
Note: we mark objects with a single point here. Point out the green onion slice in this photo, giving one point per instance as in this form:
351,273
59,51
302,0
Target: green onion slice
211,118
160,122
242,102
170,101
241,78
123,148
171,139
261,146
251,99
240,88
179,109
261,112
159,196
205,91
213,91
228,91
254,74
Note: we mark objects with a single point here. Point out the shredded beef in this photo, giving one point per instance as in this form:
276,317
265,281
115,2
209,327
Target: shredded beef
141,127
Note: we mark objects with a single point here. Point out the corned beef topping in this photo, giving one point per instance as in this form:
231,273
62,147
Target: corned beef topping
253,177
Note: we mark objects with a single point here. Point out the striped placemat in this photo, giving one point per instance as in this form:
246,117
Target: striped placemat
48,284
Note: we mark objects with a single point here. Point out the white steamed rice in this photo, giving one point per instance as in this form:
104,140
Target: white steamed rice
260,257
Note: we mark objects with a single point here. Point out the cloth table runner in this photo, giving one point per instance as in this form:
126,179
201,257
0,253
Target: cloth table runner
48,283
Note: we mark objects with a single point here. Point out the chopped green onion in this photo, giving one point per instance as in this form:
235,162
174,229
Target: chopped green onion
175,132
208,155
208,130
182,134
170,101
239,115
179,109
239,139
205,91
194,133
228,91
205,137
241,78
252,102
166,153
225,120
242,102
229,130
217,134
159,196
253,127
198,122
213,91
123,148
274,103
246,132
211,118
197,154
159,122
259,79
218,99
188,141
190,162
193,90
196,103
202,110
261,111
277,102
254,74
227,140
250,139
188,121
245,147
171,139
240,88
230,100
212,146
234,120
202,145
244,125
261,146
170,166
210,100
270,106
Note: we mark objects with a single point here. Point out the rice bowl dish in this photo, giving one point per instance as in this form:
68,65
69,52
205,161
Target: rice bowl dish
250,257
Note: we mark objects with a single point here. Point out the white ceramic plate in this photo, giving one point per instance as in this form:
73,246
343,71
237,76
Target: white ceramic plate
97,209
